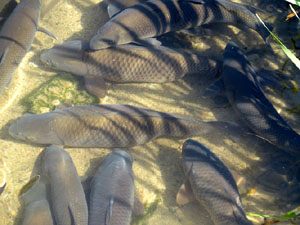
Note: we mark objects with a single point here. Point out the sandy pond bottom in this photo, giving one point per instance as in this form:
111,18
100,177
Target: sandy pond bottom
269,187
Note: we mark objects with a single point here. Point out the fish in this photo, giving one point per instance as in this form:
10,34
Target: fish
210,183
239,84
155,17
106,125
37,207
143,64
112,191
68,200
16,37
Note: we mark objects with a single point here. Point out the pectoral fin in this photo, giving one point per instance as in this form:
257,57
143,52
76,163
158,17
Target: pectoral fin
216,91
138,207
72,215
216,88
112,10
3,55
45,31
149,41
2,180
185,194
95,86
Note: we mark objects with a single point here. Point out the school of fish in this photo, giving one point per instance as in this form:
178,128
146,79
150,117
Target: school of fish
57,195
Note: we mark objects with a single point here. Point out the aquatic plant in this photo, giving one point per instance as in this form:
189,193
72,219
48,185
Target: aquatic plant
290,216
296,2
292,57
63,88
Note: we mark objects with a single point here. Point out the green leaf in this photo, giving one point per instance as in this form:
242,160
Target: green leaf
292,57
289,215
293,10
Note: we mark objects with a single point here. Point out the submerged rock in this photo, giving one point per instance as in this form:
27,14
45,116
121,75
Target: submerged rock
63,88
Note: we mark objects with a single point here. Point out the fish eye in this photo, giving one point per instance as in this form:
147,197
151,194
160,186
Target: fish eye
32,139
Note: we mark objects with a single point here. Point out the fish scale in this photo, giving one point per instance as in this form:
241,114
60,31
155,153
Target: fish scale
108,126
153,18
67,195
141,64
250,103
213,184
16,37
112,191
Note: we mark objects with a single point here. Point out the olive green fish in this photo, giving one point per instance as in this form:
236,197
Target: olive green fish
155,17
127,63
16,37
107,126
67,196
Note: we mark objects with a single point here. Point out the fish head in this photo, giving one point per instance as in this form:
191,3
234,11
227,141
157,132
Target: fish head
53,159
235,61
191,149
233,50
193,152
67,57
118,158
35,128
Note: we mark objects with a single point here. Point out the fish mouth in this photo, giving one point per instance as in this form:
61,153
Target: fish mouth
13,131
123,154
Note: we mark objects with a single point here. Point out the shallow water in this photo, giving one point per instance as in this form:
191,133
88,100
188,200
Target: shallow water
269,187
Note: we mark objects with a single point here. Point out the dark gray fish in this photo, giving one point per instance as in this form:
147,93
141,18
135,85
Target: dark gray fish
67,196
37,207
16,37
248,100
152,64
112,191
153,18
107,126
212,184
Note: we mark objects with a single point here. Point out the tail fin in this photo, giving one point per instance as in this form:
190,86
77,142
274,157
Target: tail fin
47,6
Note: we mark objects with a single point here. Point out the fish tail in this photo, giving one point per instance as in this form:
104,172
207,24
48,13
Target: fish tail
47,6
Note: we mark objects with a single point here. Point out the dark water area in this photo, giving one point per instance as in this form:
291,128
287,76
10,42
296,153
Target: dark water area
268,178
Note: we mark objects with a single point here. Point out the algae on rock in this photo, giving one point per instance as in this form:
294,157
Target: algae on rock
63,88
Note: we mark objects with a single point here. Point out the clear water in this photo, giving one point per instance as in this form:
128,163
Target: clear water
268,187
